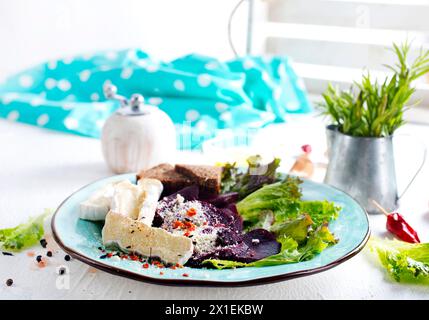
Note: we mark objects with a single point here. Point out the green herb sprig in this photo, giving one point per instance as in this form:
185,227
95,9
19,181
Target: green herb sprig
371,108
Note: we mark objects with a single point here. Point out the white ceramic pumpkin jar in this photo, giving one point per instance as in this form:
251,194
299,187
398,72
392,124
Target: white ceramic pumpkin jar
137,136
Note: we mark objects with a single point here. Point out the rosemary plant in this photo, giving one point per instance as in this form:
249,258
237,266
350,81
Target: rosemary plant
371,108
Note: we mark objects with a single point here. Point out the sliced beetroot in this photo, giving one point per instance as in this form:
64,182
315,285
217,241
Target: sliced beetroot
188,193
222,200
262,244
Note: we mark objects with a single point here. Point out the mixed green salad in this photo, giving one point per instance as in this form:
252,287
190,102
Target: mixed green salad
274,202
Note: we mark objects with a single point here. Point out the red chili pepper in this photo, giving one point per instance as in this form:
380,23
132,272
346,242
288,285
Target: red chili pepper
397,225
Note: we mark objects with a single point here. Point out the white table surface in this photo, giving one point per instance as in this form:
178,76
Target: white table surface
39,168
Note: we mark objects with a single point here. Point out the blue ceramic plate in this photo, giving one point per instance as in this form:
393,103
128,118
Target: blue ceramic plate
81,240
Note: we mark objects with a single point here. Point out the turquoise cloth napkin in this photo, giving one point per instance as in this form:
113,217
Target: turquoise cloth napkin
201,94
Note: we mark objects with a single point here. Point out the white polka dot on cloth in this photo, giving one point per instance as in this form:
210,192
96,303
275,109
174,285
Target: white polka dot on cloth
204,80
248,64
71,123
226,116
152,68
221,107
37,101
265,76
211,65
13,115
68,60
111,55
126,73
95,96
281,70
26,81
84,75
192,115
50,83
64,85
202,125
179,85
52,65
42,120
68,106
155,101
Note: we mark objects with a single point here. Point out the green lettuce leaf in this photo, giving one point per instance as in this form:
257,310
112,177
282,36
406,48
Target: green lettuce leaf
296,229
405,262
24,235
282,198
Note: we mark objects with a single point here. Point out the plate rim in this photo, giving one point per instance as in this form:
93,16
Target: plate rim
206,283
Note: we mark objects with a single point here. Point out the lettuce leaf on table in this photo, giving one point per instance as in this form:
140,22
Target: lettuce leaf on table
24,235
405,262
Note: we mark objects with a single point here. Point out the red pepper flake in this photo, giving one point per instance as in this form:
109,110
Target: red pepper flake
134,257
109,255
185,275
173,267
187,234
30,254
160,265
161,273
191,212
205,223
178,265
146,265
177,224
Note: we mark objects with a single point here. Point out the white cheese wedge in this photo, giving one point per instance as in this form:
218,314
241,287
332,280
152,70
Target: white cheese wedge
153,189
128,199
98,204
136,236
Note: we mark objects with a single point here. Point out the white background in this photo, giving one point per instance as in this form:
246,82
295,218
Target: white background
36,31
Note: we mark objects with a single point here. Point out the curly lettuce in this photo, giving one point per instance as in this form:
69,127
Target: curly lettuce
256,176
24,235
404,262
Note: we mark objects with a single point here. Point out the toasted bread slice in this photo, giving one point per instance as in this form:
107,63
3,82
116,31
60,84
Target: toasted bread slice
207,177
171,180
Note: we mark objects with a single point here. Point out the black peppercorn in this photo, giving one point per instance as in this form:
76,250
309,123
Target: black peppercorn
43,243
62,271
39,258
9,282
49,254
67,257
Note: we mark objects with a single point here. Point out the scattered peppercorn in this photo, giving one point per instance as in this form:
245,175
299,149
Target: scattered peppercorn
104,256
67,257
7,253
49,254
39,258
43,243
62,271
9,282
